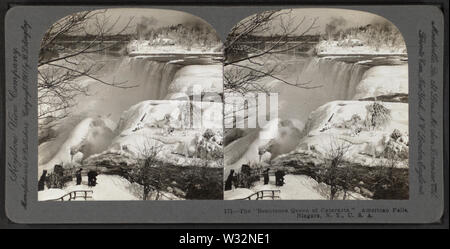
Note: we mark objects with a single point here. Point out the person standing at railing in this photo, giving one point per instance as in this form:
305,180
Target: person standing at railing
229,181
266,176
42,180
78,176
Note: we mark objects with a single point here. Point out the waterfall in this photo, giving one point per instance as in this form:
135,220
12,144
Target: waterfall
339,79
148,79
152,77
335,80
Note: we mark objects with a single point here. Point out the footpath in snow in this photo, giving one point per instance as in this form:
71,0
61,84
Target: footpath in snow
296,187
108,188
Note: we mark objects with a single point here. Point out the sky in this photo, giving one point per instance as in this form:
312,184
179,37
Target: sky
341,17
161,16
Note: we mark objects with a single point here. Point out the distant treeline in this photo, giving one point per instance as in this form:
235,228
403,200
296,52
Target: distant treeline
377,35
121,37
303,38
184,35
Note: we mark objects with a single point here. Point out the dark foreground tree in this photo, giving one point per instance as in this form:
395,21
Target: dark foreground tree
204,183
334,172
390,182
147,171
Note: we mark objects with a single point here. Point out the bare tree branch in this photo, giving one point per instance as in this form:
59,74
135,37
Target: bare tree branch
275,28
62,60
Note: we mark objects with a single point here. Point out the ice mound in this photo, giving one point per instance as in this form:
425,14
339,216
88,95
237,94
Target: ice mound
184,139
343,122
90,136
160,114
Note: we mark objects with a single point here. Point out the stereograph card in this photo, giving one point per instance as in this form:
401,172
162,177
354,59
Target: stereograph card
207,114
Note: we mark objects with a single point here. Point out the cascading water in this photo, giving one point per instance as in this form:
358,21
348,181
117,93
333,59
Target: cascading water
337,78
147,79
152,77
334,80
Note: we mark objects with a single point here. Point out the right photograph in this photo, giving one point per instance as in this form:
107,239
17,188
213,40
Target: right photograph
316,107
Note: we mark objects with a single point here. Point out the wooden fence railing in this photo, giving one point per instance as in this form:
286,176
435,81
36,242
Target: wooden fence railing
85,194
264,194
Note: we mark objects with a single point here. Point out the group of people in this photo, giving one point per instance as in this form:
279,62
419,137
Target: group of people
92,177
279,178
58,178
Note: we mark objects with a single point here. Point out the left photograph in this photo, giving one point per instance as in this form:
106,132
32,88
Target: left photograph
130,107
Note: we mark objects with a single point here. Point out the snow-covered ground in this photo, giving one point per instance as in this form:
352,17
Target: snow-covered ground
296,187
51,194
237,193
108,188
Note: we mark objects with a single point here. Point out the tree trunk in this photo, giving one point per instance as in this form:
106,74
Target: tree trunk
146,192
333,192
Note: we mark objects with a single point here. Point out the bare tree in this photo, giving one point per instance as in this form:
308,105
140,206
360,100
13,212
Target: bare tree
64,59
390,182
147,171
203,182
346,180
246,66
332,175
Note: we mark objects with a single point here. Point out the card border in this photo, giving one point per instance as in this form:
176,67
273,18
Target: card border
52,213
